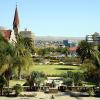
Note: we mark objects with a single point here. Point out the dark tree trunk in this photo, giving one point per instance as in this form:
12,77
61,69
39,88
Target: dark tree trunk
19,73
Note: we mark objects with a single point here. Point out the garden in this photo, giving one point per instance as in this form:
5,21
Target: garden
18,72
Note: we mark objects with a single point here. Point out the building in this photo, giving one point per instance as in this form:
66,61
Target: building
26,33
11,34
5,32
95,41
65,42
72,51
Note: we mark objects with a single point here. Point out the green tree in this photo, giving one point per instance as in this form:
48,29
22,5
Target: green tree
29,44
96,59
22,58
84,50
99,48
36,78
92,68
6,58
94,35
73,78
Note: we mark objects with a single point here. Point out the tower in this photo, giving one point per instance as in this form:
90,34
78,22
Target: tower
16,22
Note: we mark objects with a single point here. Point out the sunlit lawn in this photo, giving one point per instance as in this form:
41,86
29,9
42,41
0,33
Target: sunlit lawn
48,70
54,69
14,82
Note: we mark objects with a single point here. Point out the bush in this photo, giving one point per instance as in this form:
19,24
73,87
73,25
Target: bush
75,77
90,92
35,79
18,89
68,81
2,83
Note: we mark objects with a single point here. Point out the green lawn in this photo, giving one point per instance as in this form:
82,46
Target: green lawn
48,70
54,69
14,82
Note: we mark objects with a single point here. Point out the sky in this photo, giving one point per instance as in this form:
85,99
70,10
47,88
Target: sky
70,18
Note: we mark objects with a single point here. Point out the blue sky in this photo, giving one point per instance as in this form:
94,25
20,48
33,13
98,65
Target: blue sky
53,17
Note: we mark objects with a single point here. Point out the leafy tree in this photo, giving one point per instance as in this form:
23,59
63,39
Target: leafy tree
74,78
96,59
22,58
84,50
62,50
92,68
6,58
29,45
78,78
36,78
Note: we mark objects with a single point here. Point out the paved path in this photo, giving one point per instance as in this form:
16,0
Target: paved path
56,98
42,96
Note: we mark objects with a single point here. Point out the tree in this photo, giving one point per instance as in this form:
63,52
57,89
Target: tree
73,78
6,55
92,68
62,50
22,58
6,58
2,83
29,45
99,48
95,35
36,78
84,50
96,59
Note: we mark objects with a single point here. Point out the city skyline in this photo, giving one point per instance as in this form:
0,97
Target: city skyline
72,18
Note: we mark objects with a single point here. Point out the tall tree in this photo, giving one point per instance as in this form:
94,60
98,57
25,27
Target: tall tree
22,55
84,50
29,44
6,54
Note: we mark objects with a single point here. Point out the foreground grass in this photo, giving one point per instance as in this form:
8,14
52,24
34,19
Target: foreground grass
54,69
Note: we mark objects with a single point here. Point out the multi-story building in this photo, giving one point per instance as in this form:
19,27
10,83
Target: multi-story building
95,40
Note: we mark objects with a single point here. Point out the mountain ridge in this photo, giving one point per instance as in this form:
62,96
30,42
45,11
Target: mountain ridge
58,38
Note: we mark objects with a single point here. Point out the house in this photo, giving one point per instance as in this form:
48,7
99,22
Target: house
72,51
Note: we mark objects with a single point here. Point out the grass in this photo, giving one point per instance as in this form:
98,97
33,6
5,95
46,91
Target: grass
14,82
54,69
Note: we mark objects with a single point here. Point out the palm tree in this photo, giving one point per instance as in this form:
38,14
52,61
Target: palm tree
6,54
93,68
36,78
96,59
84,50
22,56
29,44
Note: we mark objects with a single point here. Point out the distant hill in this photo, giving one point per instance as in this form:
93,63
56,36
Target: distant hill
58,38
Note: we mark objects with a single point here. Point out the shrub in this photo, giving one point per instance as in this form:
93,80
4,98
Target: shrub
36,78
90,92
18,89
76,77
2,83
68,81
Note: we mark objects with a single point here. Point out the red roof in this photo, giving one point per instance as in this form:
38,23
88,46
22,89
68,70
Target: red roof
6,34
72,49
